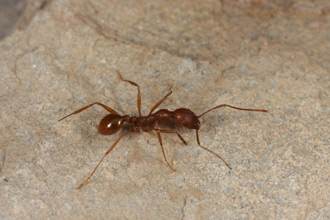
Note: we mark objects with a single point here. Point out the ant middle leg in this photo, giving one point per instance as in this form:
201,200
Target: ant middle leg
161,145
171,132
139,92
90,105
199,144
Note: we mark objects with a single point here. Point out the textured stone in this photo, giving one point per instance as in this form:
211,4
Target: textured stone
255,54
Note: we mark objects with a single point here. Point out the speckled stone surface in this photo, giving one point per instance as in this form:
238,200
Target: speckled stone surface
253,54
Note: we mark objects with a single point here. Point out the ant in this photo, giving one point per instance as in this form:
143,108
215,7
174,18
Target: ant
112,122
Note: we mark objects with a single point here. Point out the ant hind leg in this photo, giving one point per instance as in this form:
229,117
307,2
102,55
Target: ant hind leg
90,105
106,153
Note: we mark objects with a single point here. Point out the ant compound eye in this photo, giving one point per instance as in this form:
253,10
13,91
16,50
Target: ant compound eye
185,123
110,124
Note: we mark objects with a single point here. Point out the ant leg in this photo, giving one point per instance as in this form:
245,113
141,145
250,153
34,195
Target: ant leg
199,144
161,145
90,105
139,92
170,131
160,101
106,153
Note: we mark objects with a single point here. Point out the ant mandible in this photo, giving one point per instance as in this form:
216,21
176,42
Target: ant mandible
112,122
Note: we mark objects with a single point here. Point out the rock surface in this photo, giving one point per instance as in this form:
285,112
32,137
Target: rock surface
254,54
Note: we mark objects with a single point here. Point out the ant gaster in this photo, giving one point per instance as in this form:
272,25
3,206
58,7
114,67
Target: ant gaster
113,122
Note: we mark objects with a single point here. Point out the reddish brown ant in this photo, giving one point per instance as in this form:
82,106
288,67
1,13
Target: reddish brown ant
112,122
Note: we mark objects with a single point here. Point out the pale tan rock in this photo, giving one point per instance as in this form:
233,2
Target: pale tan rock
267,55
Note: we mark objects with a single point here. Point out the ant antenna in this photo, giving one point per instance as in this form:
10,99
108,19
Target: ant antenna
224,105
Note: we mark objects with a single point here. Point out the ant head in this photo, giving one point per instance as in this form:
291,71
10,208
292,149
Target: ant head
186,118
110,124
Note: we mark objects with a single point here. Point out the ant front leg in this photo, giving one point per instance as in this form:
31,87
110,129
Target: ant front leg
139,92
160,101
199,144
90,105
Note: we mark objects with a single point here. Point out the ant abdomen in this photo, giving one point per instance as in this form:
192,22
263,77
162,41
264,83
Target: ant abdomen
186,118
110,124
